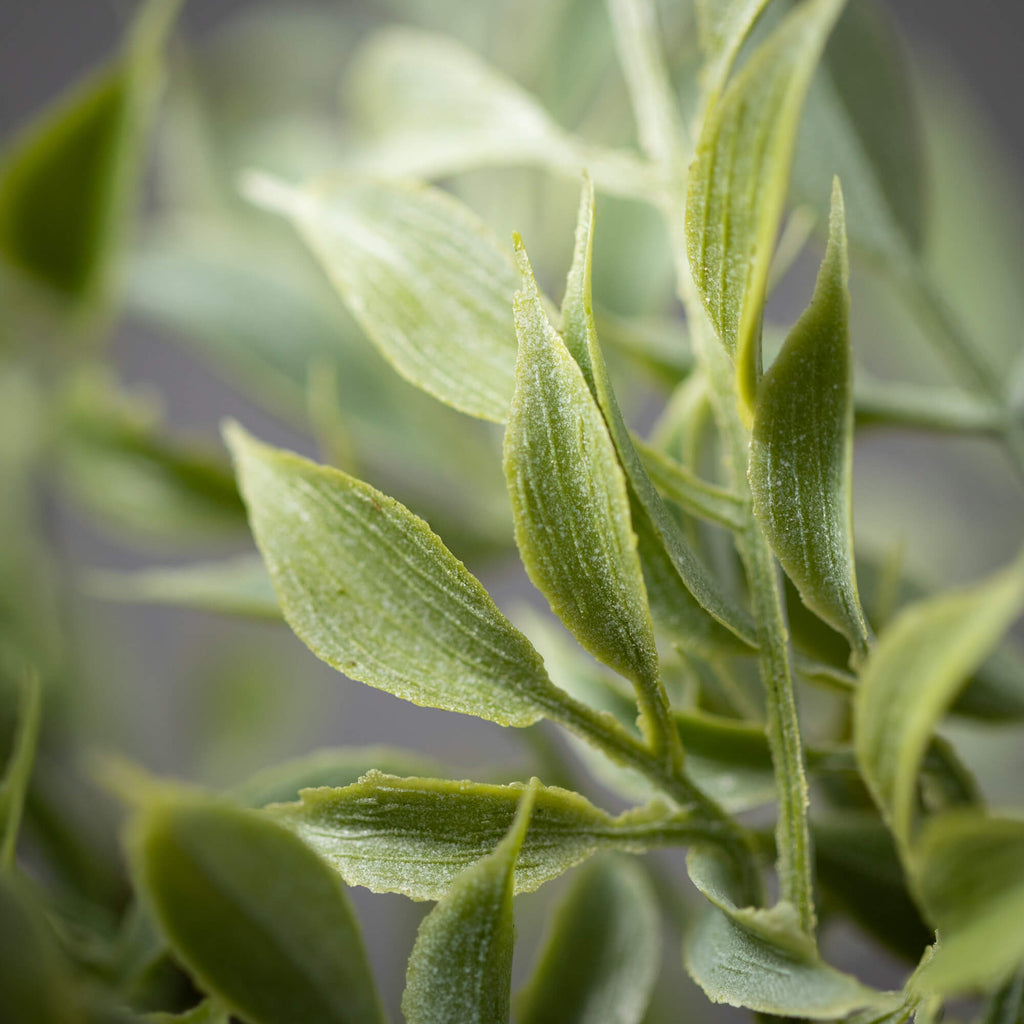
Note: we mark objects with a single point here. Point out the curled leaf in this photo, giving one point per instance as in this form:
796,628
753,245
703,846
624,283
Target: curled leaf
801,450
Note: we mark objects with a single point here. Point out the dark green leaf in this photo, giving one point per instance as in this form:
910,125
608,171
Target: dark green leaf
426,280
921,662
71,179
969,871
374,593
252,912
18,770
739,180
601,958
801,452
415,835
460,970
761,959
571,507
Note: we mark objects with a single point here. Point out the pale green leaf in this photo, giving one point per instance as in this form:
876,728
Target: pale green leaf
1006,1006
683,595
723,26
969,872
334,767
571,507
235,586
687,490
371,590
18,771
70,181
422,275
601,957
415,835
731,954
207,1012
865,127
256,917
739,180
801,450
460,969
910,679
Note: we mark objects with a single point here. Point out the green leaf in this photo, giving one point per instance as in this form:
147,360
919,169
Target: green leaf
421,274
687,490
969,871
118,464
373,592
235,586
801,450
601,958
683,595
460,969
18,770
739,180
253,913
207,1012
920,664
866,128
36,984
427,107
723,25
414,836
761,959
334,767
571,507
71,179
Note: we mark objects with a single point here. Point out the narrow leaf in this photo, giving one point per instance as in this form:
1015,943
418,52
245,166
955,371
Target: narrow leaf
969,871
761,959
253,913
601,958
801,451
739,180
18,771
373,592
920,664
71,180
571,507
421,274
723,26
207,1012
460,970
684,597
236,586
415,835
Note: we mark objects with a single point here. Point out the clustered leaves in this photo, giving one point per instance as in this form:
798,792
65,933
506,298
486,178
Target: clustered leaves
706,575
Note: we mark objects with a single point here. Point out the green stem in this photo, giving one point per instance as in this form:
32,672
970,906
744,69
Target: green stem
946,410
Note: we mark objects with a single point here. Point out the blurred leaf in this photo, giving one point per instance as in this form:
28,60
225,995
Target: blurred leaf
1006,1006
723,26
374,593
335,768
254,914
18,770
70,181
207,1012
908,682
128,476
970,874
428,108
865,127
601,957
421,274
460,968
415,835
801,451
688,491
682,592
571,507
36,985
740,177
729,952
859,868
236,586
